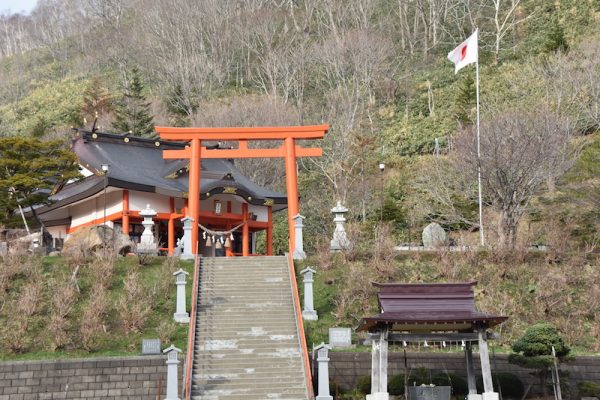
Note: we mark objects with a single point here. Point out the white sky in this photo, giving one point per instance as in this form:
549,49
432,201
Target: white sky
17,6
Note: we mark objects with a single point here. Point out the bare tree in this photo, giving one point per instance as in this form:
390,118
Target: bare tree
519,151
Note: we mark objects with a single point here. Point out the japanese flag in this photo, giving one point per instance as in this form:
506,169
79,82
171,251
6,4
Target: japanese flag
466,53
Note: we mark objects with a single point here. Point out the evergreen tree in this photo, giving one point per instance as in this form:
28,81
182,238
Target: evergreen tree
132,113
465,100
534,351
29,169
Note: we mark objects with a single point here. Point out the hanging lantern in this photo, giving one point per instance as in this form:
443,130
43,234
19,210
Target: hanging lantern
208,242
227,243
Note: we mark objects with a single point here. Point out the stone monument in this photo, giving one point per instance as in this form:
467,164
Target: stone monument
434,236
340,240
340,337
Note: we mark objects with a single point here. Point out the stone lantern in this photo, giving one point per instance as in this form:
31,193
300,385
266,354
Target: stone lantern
340,240
323,360
309,312
172,381
181,314
299,253
147,242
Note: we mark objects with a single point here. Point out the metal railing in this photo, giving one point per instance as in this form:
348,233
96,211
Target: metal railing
187,395
300,324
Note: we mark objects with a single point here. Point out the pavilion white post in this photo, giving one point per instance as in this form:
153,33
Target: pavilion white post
309,312
181,314
299,253
486,371
471,373
172,364
379,360
323,360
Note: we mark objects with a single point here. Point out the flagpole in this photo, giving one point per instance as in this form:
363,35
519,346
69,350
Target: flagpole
481,236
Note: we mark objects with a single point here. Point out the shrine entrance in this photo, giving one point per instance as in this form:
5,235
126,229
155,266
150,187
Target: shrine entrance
196,151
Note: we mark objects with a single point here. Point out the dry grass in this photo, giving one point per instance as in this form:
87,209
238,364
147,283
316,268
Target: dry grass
134,304
93,316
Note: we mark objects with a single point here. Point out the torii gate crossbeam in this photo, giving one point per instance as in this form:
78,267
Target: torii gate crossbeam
195,152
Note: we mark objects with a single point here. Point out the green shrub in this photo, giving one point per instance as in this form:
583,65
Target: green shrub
363,384
588,389
396,385
510,384
458,384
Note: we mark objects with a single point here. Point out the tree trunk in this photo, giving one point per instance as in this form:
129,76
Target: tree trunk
507,229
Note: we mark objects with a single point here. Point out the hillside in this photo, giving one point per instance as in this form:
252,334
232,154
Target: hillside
377,72
55,307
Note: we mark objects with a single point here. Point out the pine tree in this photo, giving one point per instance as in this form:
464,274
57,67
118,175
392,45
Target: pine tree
465,101
132,113
29,169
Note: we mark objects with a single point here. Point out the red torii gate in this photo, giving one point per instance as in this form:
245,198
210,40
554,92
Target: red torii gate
288,150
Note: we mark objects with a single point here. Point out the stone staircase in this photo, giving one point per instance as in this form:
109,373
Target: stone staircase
247,344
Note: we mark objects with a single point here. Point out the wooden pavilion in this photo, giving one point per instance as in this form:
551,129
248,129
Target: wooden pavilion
429,312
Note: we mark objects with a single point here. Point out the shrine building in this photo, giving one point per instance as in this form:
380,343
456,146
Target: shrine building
124,174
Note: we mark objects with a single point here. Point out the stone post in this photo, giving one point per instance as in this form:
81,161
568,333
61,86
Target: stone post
147,242
187,238
181,314
340,239
299,253
172,381
323,360
309,312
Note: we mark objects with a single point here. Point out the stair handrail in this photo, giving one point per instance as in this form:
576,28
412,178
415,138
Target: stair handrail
300,325
192,332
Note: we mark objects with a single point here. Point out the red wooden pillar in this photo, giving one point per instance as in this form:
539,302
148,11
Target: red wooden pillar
270,231
291,180
245,231
125,218
194,192
171,228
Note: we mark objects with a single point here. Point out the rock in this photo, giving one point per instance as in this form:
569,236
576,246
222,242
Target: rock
434,236
90,238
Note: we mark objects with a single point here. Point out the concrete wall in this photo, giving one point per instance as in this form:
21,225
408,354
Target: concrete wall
345,368
101,378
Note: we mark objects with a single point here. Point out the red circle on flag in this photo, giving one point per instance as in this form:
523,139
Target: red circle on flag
463,52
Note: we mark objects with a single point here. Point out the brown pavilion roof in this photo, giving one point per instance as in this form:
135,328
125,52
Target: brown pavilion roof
427,307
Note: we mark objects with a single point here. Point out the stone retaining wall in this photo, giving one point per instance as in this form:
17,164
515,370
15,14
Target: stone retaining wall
101,378
345,368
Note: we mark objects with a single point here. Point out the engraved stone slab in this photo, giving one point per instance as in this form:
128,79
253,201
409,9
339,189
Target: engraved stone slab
340,337
150,346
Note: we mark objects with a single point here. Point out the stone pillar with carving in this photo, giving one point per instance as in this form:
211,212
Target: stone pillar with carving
340,240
